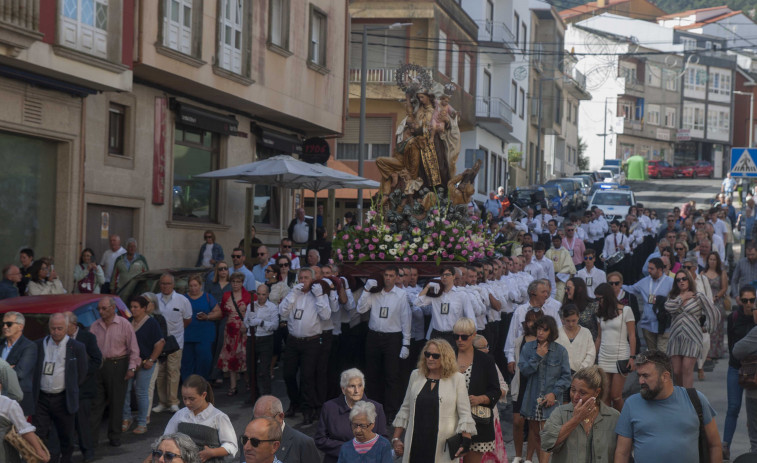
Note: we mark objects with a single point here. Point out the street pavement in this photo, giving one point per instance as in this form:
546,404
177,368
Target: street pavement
658,194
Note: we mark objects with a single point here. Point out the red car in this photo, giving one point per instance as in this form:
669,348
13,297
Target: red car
37,310
698,169
660,169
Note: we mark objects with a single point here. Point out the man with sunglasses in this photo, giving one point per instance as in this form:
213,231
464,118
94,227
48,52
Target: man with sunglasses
261,440
590,274
648,418
258,271
670,226
573,244
295,447
21,354
285,249
237,259
745,270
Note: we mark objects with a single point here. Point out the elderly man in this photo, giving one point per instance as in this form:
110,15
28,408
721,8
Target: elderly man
127,266
261,440
118,344
313,258
60,369
493,206
300,229
295,447
21,354
178,313
258,271
303,309
88,389
108,260
9,284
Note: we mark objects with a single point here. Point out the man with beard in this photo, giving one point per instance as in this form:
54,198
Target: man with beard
661,422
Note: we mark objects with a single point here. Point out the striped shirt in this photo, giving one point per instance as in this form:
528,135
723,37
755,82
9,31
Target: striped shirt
364,447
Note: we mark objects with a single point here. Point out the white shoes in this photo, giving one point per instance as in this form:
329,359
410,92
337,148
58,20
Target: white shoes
159,408
174,408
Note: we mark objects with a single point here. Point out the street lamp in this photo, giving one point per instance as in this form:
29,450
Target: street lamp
363,72
751,114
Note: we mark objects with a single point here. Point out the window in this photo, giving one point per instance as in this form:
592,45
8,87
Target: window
569,112
230,45
467,84
575,114
670,117
84,26
455,77
116,129
718,122
627,109
514,96
695,78
653,114
628,72
442,60
177,25
693,116
654,76
378,138
525,38
720,82
278,26
194,199
318,30
387,48
671,80
689,43
522,103
516,28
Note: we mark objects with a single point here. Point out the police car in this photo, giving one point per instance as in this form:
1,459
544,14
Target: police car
613,201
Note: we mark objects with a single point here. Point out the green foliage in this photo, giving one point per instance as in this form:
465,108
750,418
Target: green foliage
514,156
583,161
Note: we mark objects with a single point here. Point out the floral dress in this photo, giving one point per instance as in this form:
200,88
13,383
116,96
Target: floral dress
233,356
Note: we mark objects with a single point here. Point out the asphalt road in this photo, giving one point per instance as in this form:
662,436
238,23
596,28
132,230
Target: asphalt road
659,194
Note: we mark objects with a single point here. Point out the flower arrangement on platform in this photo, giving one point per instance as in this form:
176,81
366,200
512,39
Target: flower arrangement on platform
431,237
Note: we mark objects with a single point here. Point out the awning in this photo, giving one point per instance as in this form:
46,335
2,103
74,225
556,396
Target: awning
46,81
194,116
280,142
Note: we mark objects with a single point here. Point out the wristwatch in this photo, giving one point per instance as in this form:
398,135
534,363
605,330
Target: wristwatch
132,369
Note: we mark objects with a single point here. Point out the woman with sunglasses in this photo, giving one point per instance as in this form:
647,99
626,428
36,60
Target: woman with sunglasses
233,307
484,391
174,448
286,270
546,366
681,248
582,430
210,251
717,278
436,407
577,294
616,342
686,305
740,323
208,427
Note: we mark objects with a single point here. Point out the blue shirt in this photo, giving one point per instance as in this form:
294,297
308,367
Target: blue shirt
660,287
201,330
645,268
650,424
258,272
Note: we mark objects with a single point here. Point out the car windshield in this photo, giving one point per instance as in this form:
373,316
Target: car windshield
551,190
523,195
615,170
565,184
612,199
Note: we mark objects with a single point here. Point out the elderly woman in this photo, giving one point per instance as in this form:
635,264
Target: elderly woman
436,407
367,446
483,387
334,428
584,429
174,448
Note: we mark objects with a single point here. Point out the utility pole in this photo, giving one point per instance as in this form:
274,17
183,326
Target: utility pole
538,135
604,136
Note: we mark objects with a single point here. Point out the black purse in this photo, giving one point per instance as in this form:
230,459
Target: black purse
663,316
455,442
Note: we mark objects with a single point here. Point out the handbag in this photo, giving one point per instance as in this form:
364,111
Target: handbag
87,284
622,365
171,345
455,442
203,436
748,373
704,449
481,414
24,448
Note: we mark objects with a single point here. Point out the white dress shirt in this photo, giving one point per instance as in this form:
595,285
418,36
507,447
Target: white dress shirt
175,308
53,378
390,312
304,312
108,260
211,417
265,317
447,309
592,279
611,247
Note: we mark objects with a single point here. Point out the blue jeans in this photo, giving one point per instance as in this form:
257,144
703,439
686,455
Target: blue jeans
142,380
735,395
197,359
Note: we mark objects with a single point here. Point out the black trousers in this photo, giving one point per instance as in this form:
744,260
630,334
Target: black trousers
499,350
334,373
322,374
51,411
411,362
302,355
490,333
111,392
83,430
448,336
263,356
352,346
382,370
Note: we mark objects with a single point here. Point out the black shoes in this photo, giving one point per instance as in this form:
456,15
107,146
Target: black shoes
291,412
115,443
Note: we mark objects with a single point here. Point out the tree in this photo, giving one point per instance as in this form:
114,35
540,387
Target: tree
583,161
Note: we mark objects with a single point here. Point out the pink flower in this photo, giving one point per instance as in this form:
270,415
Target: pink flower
375,239
464,252
358,228
351,256
446,222
373,256
345,237
489,253
406,259
458,247
360,256
371,247
365,240
455,231
423,258
443,233
415,257
357,246
442,244
435,235
374,228
382,255
451,239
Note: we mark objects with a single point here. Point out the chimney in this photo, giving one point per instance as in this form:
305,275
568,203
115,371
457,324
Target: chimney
601,3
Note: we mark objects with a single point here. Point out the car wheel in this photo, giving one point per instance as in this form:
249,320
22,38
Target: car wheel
659,174
694,174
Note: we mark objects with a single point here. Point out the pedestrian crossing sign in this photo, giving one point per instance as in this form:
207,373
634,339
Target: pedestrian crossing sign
743,162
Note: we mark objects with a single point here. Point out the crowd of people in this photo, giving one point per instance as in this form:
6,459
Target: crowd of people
391,366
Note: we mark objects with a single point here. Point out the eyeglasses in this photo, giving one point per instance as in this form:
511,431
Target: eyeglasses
9,324
680,249
220,269
208,236
744,300
254,441
430,355
236,256
464,337
614,283
167,456
689,267
360,426
678,280
286,247
588,257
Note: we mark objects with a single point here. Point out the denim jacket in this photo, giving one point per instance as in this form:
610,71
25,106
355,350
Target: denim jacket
550,373
217,253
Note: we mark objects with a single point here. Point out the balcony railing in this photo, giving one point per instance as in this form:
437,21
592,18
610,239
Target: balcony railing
494,108
376,75
493,31
20,13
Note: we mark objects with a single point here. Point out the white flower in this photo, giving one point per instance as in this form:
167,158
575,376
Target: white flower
382,247
393,252
413,246
388,238
417,239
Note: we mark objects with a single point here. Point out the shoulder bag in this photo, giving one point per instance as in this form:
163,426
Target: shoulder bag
663,316
622,365
704,450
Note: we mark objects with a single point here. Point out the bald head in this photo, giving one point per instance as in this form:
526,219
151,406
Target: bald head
269,406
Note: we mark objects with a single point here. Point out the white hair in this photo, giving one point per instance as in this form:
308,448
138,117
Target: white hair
349,375
19,317
363,408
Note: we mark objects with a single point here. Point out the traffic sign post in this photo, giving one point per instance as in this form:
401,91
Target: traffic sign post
743,162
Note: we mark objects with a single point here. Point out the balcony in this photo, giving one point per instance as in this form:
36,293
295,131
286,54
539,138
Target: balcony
377,75
494,115
633,86
495,35
19,23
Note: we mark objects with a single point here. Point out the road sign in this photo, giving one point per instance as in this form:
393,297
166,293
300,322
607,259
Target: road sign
743,162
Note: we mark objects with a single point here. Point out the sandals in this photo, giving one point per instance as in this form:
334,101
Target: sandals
140,430
125,425
232,392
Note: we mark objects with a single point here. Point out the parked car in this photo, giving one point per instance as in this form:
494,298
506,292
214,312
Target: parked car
37,310
660,169
613,202
617,173
149,281
698,169
586,182
531,196
556,197
594,175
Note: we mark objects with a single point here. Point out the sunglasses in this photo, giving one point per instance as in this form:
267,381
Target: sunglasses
286,247
283,265
9,324
689,267
254,441
464,337
614,283
588,257
262,254
208,236
678,280
680,249
167,456
222,268
747,300
430,355
237,256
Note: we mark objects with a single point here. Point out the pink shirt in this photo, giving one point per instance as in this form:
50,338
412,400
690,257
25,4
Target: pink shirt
577,247
116,340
